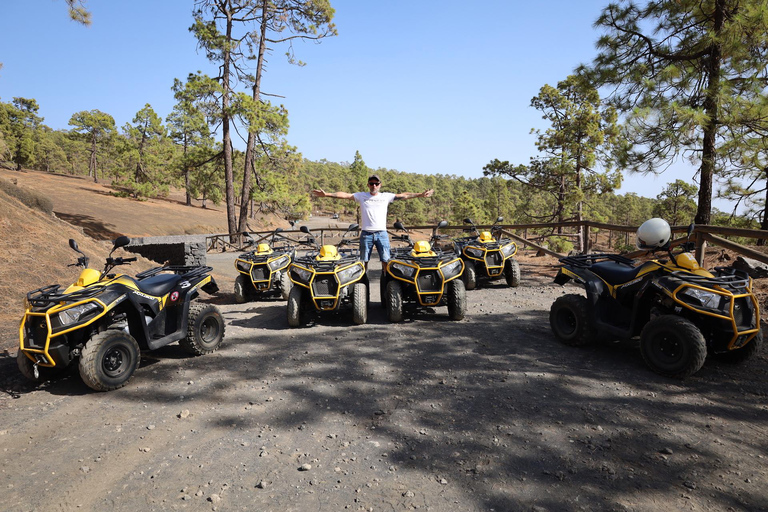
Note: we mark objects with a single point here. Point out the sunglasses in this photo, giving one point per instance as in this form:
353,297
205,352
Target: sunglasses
374,183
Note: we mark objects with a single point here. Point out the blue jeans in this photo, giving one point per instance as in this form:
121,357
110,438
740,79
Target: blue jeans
370,238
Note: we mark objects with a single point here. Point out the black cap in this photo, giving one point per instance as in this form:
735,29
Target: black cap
375,177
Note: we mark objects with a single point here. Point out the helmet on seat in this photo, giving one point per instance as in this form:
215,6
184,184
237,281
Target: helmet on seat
653,234
486,237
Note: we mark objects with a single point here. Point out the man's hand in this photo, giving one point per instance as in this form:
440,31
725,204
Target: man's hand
427,193
319,193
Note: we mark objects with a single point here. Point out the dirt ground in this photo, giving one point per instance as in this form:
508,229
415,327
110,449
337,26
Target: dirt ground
487,414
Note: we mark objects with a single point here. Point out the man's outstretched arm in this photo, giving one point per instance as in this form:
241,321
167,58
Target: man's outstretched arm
412,195
336,195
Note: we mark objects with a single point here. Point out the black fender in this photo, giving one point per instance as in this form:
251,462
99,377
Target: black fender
211,287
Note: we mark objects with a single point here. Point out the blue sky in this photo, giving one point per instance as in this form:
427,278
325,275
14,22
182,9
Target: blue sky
414,85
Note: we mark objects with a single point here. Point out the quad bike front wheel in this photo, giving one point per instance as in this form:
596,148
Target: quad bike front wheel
27,369
394,301
359,303
673,346
570,320
457,299
242,293
469,276
512,273
383,289
295,298
742,354
109,359
285,284
205,329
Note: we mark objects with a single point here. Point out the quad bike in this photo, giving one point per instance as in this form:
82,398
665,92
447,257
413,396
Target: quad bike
423,275
487,256
103,320
328,278
681,311
264,271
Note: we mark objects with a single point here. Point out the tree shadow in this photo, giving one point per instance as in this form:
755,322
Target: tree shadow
90,225
494,406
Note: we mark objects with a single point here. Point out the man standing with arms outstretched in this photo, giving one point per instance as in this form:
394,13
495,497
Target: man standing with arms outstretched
373,212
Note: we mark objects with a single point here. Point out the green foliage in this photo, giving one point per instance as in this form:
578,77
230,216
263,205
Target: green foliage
676,203
96,128
689,76
145,156
559,244
237,36
581,130
31,198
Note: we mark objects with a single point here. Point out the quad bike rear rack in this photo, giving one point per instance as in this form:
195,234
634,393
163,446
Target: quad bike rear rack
587,260
188,271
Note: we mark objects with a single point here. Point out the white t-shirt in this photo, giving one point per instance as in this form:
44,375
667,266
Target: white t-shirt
373,209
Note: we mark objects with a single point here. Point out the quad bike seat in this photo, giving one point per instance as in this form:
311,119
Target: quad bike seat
614,272
158,285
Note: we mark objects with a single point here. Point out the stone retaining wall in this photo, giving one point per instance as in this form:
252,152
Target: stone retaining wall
171,250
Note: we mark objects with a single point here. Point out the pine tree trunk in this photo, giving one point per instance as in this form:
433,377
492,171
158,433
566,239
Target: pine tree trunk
250,148
707,169
229,184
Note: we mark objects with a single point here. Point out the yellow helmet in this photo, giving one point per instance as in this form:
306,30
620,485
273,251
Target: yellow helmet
486,237
88,276
422,248
263,248
328,252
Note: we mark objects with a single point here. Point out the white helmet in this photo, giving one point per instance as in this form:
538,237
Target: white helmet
653,233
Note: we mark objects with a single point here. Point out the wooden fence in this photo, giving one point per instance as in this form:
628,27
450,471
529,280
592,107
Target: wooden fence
702,235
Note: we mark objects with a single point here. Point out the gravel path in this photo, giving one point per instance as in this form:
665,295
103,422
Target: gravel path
486,414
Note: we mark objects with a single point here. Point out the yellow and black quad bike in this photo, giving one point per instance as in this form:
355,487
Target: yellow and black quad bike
487,256
103,320
264,271
681,311
423,276
328,279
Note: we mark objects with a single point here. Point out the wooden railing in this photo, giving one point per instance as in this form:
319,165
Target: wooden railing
701,235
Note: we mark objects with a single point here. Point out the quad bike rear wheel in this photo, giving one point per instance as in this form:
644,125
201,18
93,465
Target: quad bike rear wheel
205,329
673,346
394,301
109,360
512,273
742,354
469,276
457,299
359,303
242,289
295,299
284,284
570,320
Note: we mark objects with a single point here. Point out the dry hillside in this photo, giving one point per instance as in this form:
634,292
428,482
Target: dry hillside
35,249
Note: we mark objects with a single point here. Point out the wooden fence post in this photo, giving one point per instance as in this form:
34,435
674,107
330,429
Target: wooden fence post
585,239
701,248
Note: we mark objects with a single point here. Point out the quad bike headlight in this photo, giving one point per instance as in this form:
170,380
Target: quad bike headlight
301,274
74,314
404,270
349,274
508,250
243,266
278,263
474,252
451,269
706,299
